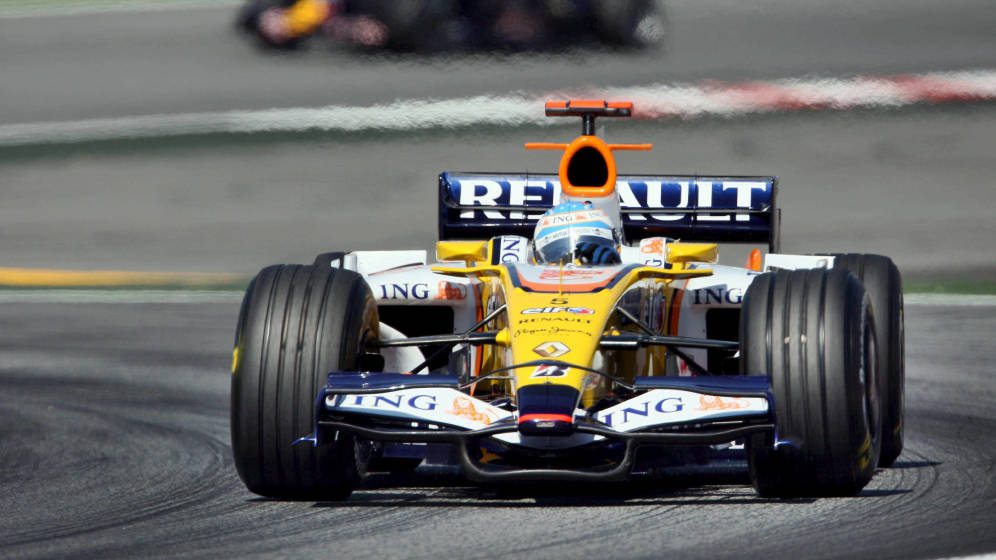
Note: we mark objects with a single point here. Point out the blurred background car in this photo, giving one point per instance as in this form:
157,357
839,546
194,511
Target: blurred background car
447,24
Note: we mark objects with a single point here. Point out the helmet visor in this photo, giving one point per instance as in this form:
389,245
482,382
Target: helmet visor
559,246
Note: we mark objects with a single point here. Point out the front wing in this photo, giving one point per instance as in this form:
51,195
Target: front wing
404,408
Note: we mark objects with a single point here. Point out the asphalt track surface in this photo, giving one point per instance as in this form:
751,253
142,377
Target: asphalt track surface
114,417
914,183
115,444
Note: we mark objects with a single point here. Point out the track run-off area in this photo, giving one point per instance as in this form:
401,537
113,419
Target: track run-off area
147,146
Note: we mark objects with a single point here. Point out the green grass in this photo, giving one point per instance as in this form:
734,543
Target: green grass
949,286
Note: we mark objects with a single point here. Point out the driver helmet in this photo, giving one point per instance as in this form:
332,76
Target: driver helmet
564,227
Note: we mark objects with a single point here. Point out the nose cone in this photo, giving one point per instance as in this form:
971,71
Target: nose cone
547,410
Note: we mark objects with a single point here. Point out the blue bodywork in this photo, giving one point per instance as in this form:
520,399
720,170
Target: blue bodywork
684,207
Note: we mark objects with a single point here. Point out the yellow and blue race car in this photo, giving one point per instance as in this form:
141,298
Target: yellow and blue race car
575,326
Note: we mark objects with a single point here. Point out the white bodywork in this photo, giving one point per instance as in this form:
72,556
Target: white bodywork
404,278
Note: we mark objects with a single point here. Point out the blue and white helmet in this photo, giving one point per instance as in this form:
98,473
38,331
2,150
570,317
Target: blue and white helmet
562,228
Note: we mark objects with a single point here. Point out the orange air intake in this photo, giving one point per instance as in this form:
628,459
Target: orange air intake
587,168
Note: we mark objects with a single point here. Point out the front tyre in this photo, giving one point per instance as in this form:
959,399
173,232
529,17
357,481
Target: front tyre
296,324
881,279
813,333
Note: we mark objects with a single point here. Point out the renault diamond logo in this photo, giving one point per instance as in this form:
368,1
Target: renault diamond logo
551,349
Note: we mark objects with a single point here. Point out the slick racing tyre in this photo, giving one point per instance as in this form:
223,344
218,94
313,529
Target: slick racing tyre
249,18
629,23
411,26
813,333
297,323
884,285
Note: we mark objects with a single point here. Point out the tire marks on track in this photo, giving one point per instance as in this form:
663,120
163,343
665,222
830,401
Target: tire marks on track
137,464
110,481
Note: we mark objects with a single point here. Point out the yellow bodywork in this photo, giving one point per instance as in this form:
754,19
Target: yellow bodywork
304,17
467,251
566,324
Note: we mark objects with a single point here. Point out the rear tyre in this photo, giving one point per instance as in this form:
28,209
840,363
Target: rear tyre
813,333
881,279
296,324
629,23
411,26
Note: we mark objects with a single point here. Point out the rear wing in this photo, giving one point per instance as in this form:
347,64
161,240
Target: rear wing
722,209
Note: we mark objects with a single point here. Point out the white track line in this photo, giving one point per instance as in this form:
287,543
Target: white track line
659,101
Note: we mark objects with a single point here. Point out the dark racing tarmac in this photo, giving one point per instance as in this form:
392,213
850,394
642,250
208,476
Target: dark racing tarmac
114,431
114,416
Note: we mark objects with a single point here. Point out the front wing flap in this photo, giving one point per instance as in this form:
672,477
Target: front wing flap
432,409
434,403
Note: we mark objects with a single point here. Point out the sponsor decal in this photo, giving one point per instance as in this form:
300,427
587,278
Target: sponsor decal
464,408
553,329
655,245
550,371
577,274
447,406
451,291
421,291
654,192
552,349
717,295
652,251
511,249
391,401
572,218
403,290
546,310
482,191
710,402
666,405
648,194
543,319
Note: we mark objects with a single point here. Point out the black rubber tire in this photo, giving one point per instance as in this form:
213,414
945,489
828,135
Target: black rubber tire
411,26
812,332
297,323
616,22
884,284
248,19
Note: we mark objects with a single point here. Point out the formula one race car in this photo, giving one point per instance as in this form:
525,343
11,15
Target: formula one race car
447,24
566,334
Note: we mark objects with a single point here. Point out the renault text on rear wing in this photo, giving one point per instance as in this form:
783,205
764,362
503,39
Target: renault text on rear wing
691,208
